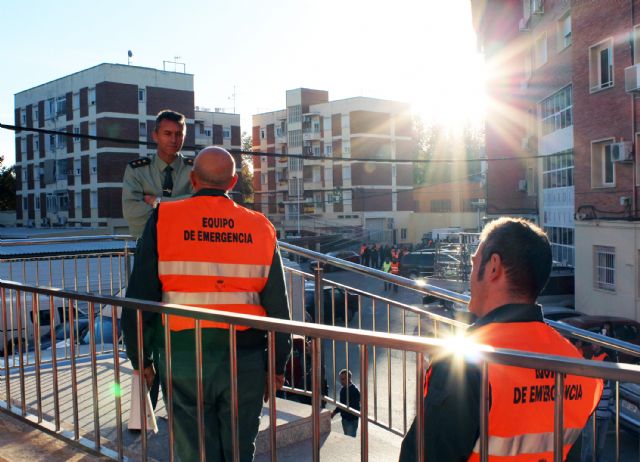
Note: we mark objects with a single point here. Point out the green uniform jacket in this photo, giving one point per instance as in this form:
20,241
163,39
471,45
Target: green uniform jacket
145,284
145,176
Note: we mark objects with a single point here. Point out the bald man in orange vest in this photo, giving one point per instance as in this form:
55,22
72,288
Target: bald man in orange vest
207,251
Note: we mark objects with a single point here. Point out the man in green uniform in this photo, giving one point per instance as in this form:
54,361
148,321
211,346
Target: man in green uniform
165,176
149,180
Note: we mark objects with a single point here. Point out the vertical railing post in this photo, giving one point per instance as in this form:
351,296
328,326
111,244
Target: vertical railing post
200,393
316,386
233,365
94,374
169,382
558,419
420,378
484,412
364,403
127,263
271,352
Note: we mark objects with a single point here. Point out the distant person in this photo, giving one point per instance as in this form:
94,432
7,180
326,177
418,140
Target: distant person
207,251
149,180
350,397
375,257
366,256
510,268
395,270
386,267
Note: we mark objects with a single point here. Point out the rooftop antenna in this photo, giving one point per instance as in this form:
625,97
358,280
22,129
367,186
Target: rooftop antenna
129,56
233,97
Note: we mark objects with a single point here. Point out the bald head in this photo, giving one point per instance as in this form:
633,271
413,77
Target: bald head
214,168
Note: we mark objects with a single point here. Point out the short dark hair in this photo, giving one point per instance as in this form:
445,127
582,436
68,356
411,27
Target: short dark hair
525,253
173,116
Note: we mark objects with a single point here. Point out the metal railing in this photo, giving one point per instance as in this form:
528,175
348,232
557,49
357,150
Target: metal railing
384,347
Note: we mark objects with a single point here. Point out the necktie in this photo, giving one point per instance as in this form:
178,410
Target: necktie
167,184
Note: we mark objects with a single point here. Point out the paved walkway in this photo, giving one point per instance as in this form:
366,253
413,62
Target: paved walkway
20,442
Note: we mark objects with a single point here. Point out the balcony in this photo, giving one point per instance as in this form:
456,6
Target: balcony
311,135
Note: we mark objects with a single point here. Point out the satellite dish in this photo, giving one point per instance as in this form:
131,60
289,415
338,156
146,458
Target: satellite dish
130,54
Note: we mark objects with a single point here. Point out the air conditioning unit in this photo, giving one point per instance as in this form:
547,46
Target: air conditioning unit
537,6
523,25
522,185
620,152
632,79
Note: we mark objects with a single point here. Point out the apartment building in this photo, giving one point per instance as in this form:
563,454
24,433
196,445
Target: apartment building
73,181
572,73
347,180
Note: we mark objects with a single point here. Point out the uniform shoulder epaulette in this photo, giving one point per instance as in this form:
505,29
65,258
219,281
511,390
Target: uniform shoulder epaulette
141,162
187,161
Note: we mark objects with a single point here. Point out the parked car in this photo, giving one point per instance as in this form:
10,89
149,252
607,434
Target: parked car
348,255
103,332
338,302
422,263
629,406
558,313
623,329
560,288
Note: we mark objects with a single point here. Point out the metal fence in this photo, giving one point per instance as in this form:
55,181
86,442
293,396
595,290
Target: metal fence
49,380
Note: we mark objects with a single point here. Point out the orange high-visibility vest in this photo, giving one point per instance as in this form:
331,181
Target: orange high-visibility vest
395,267
522,400
213,253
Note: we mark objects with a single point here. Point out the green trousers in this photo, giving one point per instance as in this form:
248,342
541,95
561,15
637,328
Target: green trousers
217,397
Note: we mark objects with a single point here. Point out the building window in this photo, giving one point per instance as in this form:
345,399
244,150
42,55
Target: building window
61,169
564,32
601,65
52,142
636,44
262,134
61,105
328,149
562,244
316,150
295,114
207,132
37,202
93,199
441,205
76,133
78,199
62,141
50,109
25,203
142,128
93,165
92,129
142,95
295,138
75,101
23,118
603,173
226,133
403,233
604,267
556,111
540,50
92,96
557,170
36,144
36,114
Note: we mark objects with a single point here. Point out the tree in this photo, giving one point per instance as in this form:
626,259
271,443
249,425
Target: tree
245,184
439,144
7,187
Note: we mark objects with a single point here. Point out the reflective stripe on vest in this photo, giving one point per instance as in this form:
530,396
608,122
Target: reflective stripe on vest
532,443
195,268
201,263
211,298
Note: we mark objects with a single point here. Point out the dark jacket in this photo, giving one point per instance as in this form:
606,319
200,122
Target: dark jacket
354,401
145,284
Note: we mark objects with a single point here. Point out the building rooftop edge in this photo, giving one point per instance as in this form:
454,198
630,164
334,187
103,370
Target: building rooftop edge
98,65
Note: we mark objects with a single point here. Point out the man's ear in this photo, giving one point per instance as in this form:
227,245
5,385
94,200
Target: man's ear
233,182
494,266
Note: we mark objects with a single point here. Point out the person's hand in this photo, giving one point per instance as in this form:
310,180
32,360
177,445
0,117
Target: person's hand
149,374
149,199
334,412
279,384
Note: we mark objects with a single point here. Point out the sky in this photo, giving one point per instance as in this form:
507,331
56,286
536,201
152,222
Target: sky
418,51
